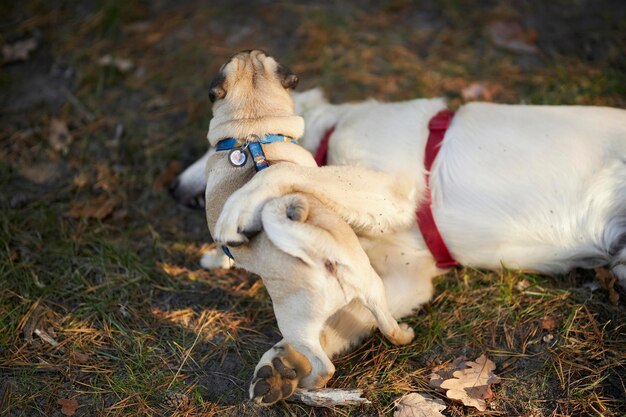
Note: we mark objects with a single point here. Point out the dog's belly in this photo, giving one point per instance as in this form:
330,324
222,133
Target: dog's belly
532,187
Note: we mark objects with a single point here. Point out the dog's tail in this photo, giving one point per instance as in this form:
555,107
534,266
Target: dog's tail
296,208
284,222
300,226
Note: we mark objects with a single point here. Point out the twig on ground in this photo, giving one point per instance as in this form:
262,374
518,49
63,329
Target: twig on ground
46,337
329,397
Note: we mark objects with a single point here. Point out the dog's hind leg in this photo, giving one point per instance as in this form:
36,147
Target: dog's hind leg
301,226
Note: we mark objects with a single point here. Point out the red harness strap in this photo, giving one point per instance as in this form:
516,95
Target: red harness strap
425,219
322,151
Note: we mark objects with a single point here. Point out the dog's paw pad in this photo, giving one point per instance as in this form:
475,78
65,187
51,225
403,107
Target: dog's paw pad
278,379
273,383
283,370
261,388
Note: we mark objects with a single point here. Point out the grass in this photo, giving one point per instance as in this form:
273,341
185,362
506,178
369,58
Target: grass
139,325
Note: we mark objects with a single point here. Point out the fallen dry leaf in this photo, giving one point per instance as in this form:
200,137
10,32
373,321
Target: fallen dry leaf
479,91
68,406
81,180
419,405
522,285
548,323
510,35
40,172
607,281
80,357
443,372
121,64
156,103
471,385
105,179
18,51
59,136
167,176
97,208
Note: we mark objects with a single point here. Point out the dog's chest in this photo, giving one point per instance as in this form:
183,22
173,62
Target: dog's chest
223,180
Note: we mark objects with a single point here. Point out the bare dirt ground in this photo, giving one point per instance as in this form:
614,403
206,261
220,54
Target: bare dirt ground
103,306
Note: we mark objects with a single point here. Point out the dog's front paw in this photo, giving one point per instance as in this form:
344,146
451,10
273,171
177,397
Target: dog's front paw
404,335
236,225
215,258
227,230
277,375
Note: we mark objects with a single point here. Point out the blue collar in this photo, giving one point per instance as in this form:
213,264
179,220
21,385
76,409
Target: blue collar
238,157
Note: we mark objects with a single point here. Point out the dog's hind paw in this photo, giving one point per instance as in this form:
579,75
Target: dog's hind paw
278,374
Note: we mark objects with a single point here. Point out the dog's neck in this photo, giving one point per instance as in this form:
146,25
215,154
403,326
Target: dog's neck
292,126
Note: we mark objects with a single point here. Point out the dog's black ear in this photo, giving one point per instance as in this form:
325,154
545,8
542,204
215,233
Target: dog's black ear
287,78
216,89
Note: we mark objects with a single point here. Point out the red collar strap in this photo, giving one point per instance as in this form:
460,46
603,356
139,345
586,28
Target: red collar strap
322,150
425,219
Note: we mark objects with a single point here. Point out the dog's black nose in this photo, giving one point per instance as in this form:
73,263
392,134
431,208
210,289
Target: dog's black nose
173,186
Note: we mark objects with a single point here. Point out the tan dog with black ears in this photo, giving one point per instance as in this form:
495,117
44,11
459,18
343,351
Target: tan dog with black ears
310,260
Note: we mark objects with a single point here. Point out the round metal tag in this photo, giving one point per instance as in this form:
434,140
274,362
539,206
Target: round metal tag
237,157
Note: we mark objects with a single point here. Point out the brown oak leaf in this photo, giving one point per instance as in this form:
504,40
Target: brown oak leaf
59,136
80,357
19,51
607,281
548,323
419,405
443,372
510,35
68,406
168,175
471,385
41,172
98,208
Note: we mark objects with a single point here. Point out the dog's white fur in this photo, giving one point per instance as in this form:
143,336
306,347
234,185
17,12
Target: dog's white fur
539,188
311,261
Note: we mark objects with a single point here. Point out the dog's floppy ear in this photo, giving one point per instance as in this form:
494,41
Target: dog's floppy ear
287,78
216,89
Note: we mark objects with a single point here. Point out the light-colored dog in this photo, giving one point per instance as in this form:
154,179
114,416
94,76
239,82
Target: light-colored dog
537,188
311,261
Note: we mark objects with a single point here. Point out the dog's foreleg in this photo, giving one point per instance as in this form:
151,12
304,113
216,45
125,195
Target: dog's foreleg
370,202
297,361
277,374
